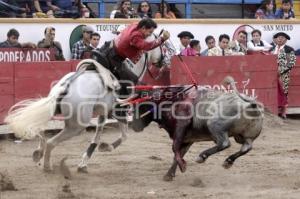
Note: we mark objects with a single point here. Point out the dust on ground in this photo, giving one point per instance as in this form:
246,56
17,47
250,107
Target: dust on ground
136,168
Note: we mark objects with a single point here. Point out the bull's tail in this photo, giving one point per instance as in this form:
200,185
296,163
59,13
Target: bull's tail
27,118
229,80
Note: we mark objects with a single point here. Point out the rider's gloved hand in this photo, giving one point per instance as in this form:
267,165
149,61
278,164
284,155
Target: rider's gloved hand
165,35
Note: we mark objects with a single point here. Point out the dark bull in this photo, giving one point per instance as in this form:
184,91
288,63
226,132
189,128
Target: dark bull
213,116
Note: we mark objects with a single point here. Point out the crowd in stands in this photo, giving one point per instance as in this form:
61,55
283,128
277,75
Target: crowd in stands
268,10
123,9
43,9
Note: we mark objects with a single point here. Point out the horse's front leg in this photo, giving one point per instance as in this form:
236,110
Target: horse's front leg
82,167
123,126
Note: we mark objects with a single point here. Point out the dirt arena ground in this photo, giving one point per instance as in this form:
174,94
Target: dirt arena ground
136,168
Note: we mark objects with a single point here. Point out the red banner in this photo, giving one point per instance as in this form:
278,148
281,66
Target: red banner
255,75
26,54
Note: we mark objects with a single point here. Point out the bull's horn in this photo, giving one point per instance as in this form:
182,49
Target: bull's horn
122,101
144,114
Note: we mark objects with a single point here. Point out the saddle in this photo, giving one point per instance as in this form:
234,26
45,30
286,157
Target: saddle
108,78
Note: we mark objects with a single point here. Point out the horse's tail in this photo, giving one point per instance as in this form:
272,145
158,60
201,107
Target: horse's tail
27,118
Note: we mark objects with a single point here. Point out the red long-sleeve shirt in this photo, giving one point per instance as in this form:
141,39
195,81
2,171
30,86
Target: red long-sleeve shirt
131,43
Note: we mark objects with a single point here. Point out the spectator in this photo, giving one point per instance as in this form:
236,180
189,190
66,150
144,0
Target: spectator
176,11
256,44
164,11
69,9
273,43
144,10
42,8
286,10
48,42
193,50
95,40
11,9
185,39
223,48
210,42
239,46
123,10
286,61
27,5
82,45
266,10
13,41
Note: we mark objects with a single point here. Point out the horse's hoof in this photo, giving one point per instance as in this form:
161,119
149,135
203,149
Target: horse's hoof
168,178
200,159
37,155
227,164
82,169
104,147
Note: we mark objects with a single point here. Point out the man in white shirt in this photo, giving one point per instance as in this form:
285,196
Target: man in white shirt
222,49
211,43
256,44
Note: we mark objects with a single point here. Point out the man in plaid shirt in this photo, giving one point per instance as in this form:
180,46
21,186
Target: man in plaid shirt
82,45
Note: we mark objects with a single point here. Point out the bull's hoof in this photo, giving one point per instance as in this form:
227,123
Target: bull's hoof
168,178
82,169
182,165
200,159
37,155
104,147
227,164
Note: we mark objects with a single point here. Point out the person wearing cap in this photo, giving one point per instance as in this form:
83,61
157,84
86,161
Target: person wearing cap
82,45
286,60
185,39
48,42
193,50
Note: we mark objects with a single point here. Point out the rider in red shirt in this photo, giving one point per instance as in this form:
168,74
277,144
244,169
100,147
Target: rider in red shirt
130,44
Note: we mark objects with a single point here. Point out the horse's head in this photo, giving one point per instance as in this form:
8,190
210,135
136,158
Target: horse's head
160,56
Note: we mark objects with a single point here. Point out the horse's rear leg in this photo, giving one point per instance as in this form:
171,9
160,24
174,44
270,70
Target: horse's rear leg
39,152
65,134
82,167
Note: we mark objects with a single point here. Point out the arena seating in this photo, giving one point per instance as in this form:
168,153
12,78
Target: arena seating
188,3
296,7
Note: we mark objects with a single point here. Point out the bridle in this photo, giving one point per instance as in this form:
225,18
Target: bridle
158,64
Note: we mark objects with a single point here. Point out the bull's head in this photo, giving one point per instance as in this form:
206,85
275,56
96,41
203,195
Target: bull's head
143,115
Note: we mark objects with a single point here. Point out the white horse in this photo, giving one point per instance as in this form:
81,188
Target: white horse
87,95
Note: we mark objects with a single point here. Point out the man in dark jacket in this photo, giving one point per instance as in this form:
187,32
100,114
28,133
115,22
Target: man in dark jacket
48,42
